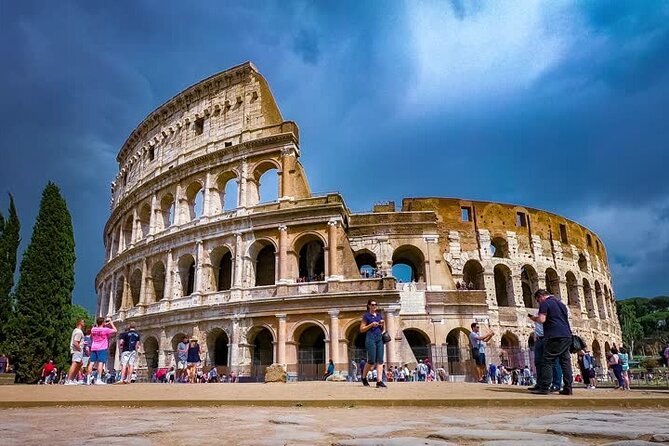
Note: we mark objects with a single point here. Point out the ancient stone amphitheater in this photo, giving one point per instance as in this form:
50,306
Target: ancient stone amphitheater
215,233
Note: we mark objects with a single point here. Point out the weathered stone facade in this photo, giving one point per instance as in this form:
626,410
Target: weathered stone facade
192,250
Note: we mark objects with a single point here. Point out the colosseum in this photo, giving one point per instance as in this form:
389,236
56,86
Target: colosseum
214,233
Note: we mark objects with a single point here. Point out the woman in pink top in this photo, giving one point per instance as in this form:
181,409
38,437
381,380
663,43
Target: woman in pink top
100,334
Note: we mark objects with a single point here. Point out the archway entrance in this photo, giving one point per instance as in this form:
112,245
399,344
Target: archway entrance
217,345
151,355
419,343
356,345
530,282
311,354
503,286
263,353
457,342
597,353
311,262
511,355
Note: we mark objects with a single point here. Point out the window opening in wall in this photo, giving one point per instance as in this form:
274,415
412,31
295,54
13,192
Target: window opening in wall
125,178
466,213
588,239
198,126
521,219
152,154
563,234
228,144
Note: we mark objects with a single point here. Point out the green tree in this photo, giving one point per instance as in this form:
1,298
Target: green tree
78,312
41,324
9,244
632,330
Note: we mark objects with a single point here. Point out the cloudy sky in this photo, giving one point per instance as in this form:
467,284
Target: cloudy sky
556,105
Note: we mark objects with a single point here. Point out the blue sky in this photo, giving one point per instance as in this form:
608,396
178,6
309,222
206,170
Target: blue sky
554,105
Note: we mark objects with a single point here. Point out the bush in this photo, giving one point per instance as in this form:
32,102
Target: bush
649,363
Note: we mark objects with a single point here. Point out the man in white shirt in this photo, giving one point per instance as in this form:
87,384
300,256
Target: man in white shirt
77,351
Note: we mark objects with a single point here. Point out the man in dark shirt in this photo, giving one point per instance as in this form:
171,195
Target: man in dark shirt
129,343
557,340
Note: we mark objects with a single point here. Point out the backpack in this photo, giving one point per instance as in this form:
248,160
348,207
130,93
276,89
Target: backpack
577,344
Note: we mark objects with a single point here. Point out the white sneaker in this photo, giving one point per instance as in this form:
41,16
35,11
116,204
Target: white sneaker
71,383
99,382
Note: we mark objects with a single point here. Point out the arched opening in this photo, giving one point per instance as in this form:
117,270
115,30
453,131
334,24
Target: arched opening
607,347
115,243
419,343
311,259
217,346
263,352
127,233
195,200
111,359
187,274
600,300
221,262
263,261
226,184
118,298
144,220
572,289
458,351
529,280
587,293
499,247
408,264
503,286
311,354
175,346
553,283
158,281
268,186
167,210
597,352
135,286
511,354
472,275
582,263
366,262
151,355
356,344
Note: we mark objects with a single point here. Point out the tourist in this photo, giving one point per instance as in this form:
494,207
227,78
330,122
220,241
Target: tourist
492,373
527,376
585,365
666,355
49,373
556,383
182,359
422,370
129,342
86,356
330,370
212,376
624,359
4,361
100,334
77,352
478,343
192,359
354,371
169,376
557,342
372,323
616,367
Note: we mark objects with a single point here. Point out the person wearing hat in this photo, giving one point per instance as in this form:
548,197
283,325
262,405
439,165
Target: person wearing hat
193,358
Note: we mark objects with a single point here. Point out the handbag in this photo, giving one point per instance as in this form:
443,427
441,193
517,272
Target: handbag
577,344
385,337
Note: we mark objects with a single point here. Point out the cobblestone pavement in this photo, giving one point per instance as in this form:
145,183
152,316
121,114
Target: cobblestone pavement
263,426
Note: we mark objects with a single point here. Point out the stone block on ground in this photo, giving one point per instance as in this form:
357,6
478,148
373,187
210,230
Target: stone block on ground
275,374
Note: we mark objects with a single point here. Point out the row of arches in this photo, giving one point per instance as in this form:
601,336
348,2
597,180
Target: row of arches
408,263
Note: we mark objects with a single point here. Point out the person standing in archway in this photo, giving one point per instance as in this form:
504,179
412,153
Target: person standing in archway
372,323
478,342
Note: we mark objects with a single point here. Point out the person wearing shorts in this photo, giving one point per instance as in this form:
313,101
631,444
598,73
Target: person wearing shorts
372,323
129,343
76,349
193,359
100,334
182,359
478,349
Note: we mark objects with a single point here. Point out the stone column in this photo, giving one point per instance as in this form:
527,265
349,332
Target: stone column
281,340
206,202
134,235
152,217
169,276
164,360
112,241
430,241
178,218
197,286
110,308
334,336
234,346
283,248
332,249
242,184
142,286
391,316
288,158
237,282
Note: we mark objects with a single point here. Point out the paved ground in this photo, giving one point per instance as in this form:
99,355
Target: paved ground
324,413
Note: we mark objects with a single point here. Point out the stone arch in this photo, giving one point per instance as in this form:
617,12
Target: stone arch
419,342
529,280
266,172
167,211
195,200
151,354
553,282
511,354
118,297
135,286
499,247
218,347
600,300
227,188
221,263
503,286
356,342
310,341
144,217
582,263
597,352
186,266
472,273
158,280
607,347
458,348
587,293
310,249
572,289
127,232
261,340
174,343
366,262
409,258
263,262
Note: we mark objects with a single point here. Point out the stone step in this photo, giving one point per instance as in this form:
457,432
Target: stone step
7,378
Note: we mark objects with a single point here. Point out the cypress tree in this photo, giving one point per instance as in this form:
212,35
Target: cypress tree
9,245
40,329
